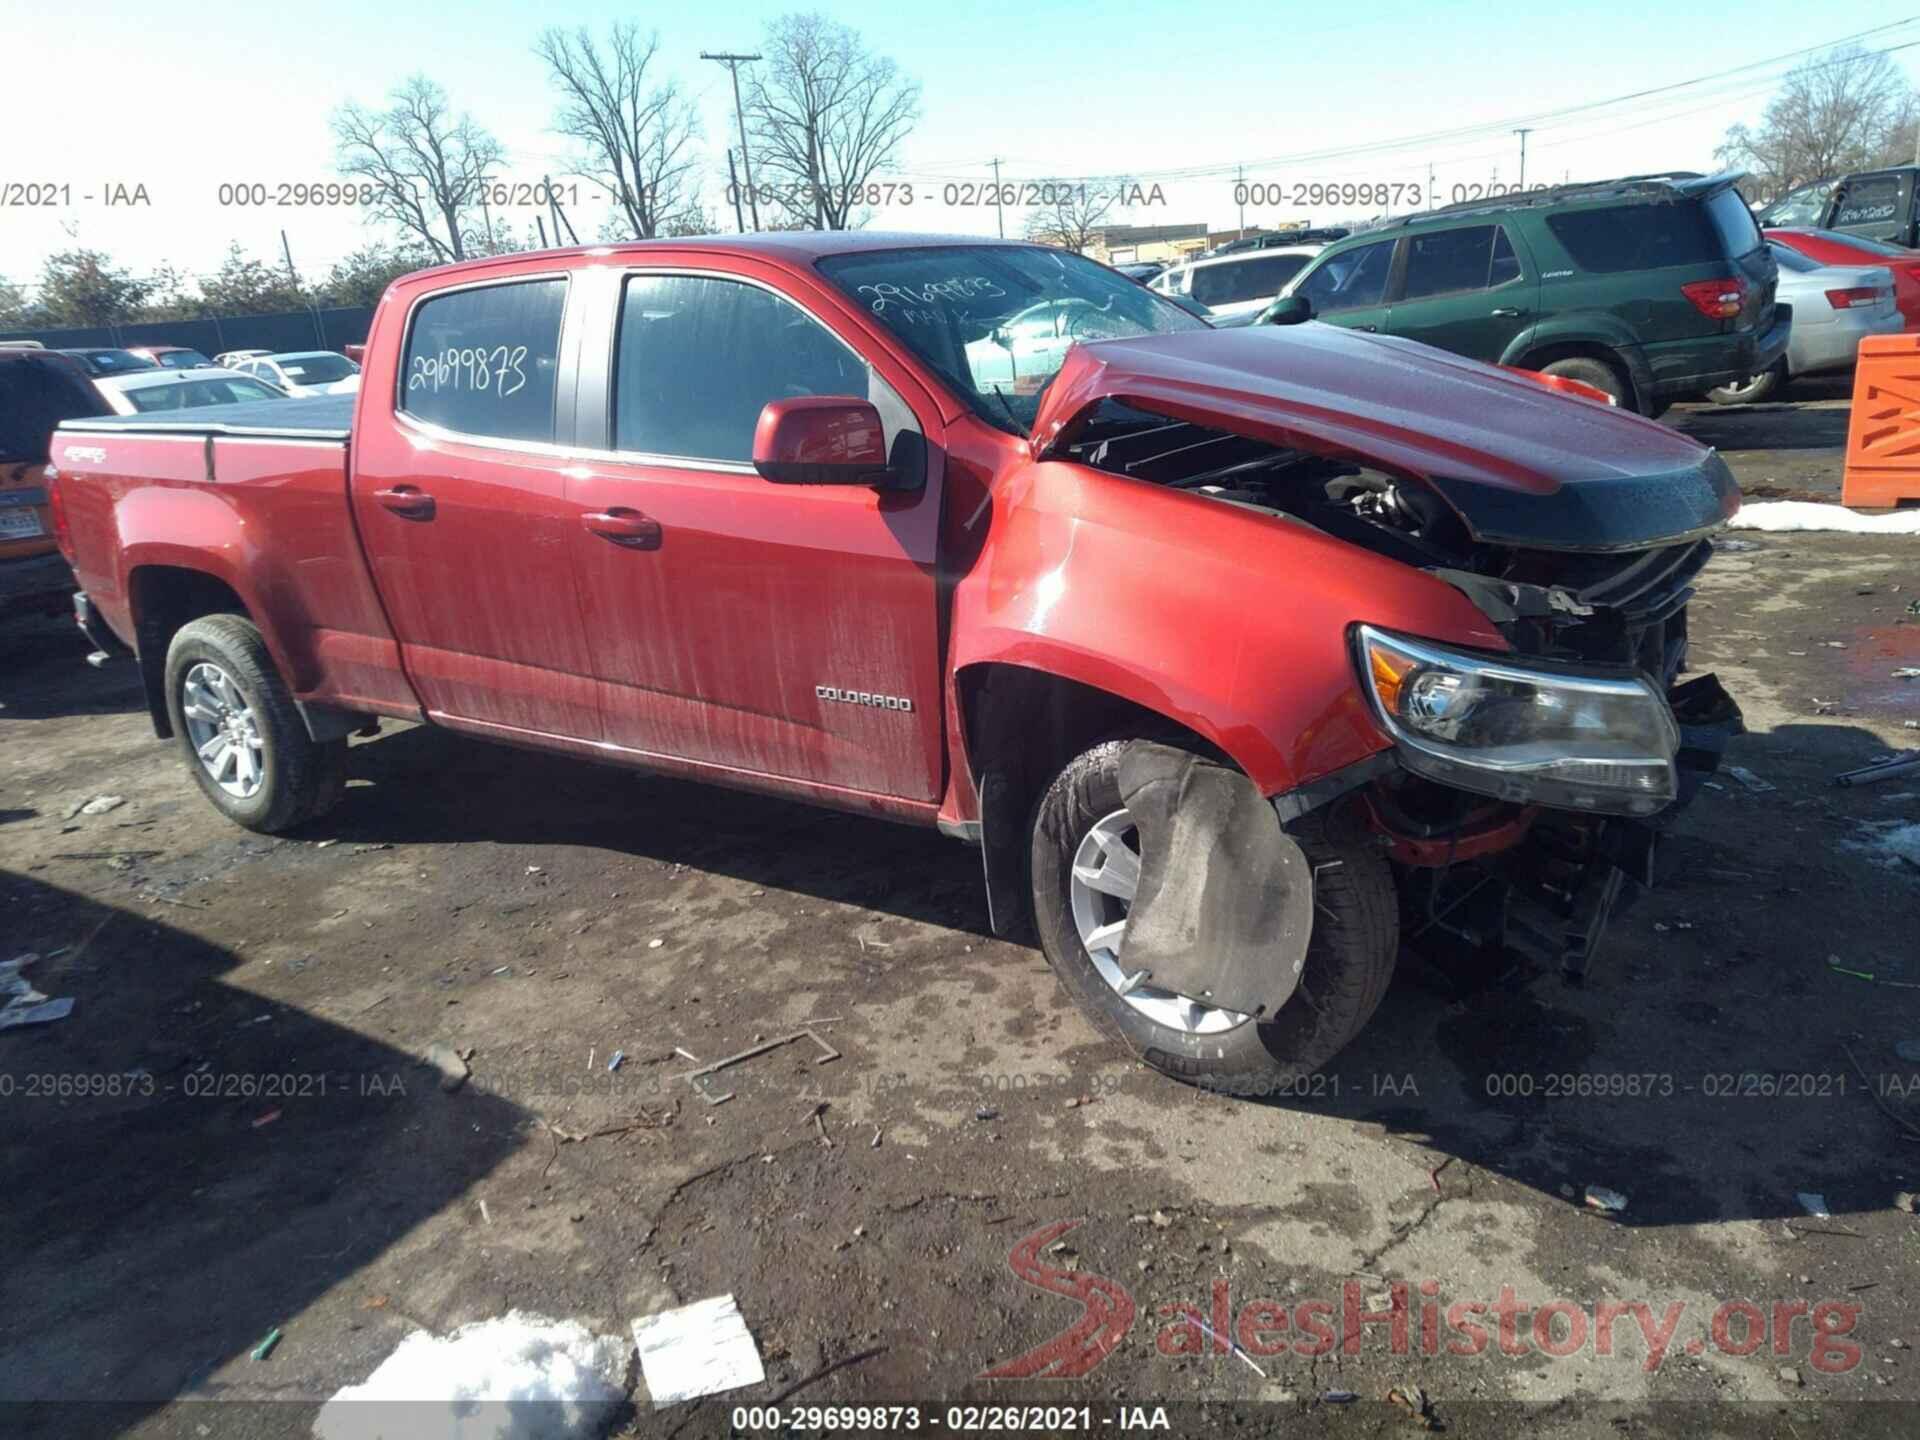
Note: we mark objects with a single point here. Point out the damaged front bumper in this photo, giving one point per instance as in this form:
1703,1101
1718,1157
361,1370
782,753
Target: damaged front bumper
1545,883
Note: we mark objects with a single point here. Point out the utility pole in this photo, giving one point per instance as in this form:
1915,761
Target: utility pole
287,250
999,215
1523,132
733,64
1240,189
559,215
733,188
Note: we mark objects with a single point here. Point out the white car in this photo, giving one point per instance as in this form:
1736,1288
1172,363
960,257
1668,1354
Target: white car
305,372
147,392
1242,284
230,359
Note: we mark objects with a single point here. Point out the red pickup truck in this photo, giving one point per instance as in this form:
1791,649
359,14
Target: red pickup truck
1243,656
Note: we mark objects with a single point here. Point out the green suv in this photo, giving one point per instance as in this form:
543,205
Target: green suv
1655,288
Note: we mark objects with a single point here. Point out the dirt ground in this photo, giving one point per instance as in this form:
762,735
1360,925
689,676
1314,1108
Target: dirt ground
234,1132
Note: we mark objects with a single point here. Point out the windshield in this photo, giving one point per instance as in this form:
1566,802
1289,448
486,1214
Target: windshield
316,369
112,362
996,321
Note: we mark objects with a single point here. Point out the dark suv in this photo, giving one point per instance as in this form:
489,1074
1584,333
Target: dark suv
1654,288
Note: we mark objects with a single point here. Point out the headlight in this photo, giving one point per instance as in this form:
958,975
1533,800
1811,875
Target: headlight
1544,737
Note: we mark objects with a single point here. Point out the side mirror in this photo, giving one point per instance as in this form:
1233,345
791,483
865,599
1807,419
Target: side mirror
822,440
1287,310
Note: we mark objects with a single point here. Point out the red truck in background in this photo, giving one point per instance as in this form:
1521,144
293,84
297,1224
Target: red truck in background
1242,655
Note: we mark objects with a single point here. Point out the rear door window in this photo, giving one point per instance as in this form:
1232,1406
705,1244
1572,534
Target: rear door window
1445,262
485,361
1870,200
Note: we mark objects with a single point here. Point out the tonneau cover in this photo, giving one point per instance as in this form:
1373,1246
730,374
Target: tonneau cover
320,417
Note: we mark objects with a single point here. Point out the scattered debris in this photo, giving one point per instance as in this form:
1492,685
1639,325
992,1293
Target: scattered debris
1907,672
697,1078
1908,1050
514,1378
1161,1220
1752,781
1419,1408
453,1070
1197,1323
1900,762
1908,1201
1610,1202
874,1144
39,1011
325,843
613,1060
655,943
1789,1375
1814,1203
1339,1397
986,1112
699,1349
261,1122
266,1346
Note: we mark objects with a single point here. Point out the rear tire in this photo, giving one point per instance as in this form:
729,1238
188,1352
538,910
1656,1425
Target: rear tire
240,733
1350,955
1596,373
1753,389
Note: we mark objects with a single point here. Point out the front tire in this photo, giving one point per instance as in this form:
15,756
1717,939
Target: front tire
240,733
1080,826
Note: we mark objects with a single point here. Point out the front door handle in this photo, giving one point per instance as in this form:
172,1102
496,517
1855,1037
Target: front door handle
624,527
1507,312
1369,328
408,500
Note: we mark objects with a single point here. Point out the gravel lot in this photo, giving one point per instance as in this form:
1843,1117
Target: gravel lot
235,1131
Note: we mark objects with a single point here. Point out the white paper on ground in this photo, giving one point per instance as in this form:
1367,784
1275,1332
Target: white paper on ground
698,1349
1782,515
517,1377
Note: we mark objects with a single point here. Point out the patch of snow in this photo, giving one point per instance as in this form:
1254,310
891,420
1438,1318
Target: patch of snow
1902,842
1786,515
518,1377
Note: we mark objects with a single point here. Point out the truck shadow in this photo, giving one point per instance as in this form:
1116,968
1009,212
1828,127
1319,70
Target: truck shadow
422,785
1735,1042
44,673
189,1167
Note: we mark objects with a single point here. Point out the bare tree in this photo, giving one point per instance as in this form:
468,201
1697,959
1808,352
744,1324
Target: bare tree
637,136
1847,109
425,165
825,115
1072,213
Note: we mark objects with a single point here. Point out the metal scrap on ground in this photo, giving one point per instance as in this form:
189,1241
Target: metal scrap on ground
699,1349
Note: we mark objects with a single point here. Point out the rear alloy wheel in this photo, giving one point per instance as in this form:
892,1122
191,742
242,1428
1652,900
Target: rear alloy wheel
1086,867
240,733
1755,387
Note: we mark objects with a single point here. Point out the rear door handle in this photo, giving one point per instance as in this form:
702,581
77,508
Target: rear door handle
1369,328
624,527
407,500
1507,312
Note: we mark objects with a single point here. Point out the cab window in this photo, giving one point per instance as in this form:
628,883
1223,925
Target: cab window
484,361
699,357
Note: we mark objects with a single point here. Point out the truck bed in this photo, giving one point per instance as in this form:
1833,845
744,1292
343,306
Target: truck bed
320,417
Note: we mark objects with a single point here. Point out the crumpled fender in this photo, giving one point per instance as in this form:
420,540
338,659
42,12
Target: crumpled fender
1224,908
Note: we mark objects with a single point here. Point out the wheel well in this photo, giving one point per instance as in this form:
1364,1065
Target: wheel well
1022,726
1584,350
165,597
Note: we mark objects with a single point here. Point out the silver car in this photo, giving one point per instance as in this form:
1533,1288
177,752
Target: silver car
1835,307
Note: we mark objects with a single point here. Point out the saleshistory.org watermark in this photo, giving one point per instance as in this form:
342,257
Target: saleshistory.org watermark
1408,1319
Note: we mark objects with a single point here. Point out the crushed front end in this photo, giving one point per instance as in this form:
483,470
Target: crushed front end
1525,792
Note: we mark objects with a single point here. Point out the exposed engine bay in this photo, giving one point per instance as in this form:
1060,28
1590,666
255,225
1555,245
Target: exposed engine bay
1486,874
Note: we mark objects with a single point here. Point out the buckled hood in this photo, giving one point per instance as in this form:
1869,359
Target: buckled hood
1522,464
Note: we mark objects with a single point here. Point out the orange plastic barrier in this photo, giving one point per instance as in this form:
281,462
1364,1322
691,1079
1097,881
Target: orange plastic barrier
1883,434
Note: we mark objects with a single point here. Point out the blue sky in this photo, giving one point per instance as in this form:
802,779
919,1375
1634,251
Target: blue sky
185,96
